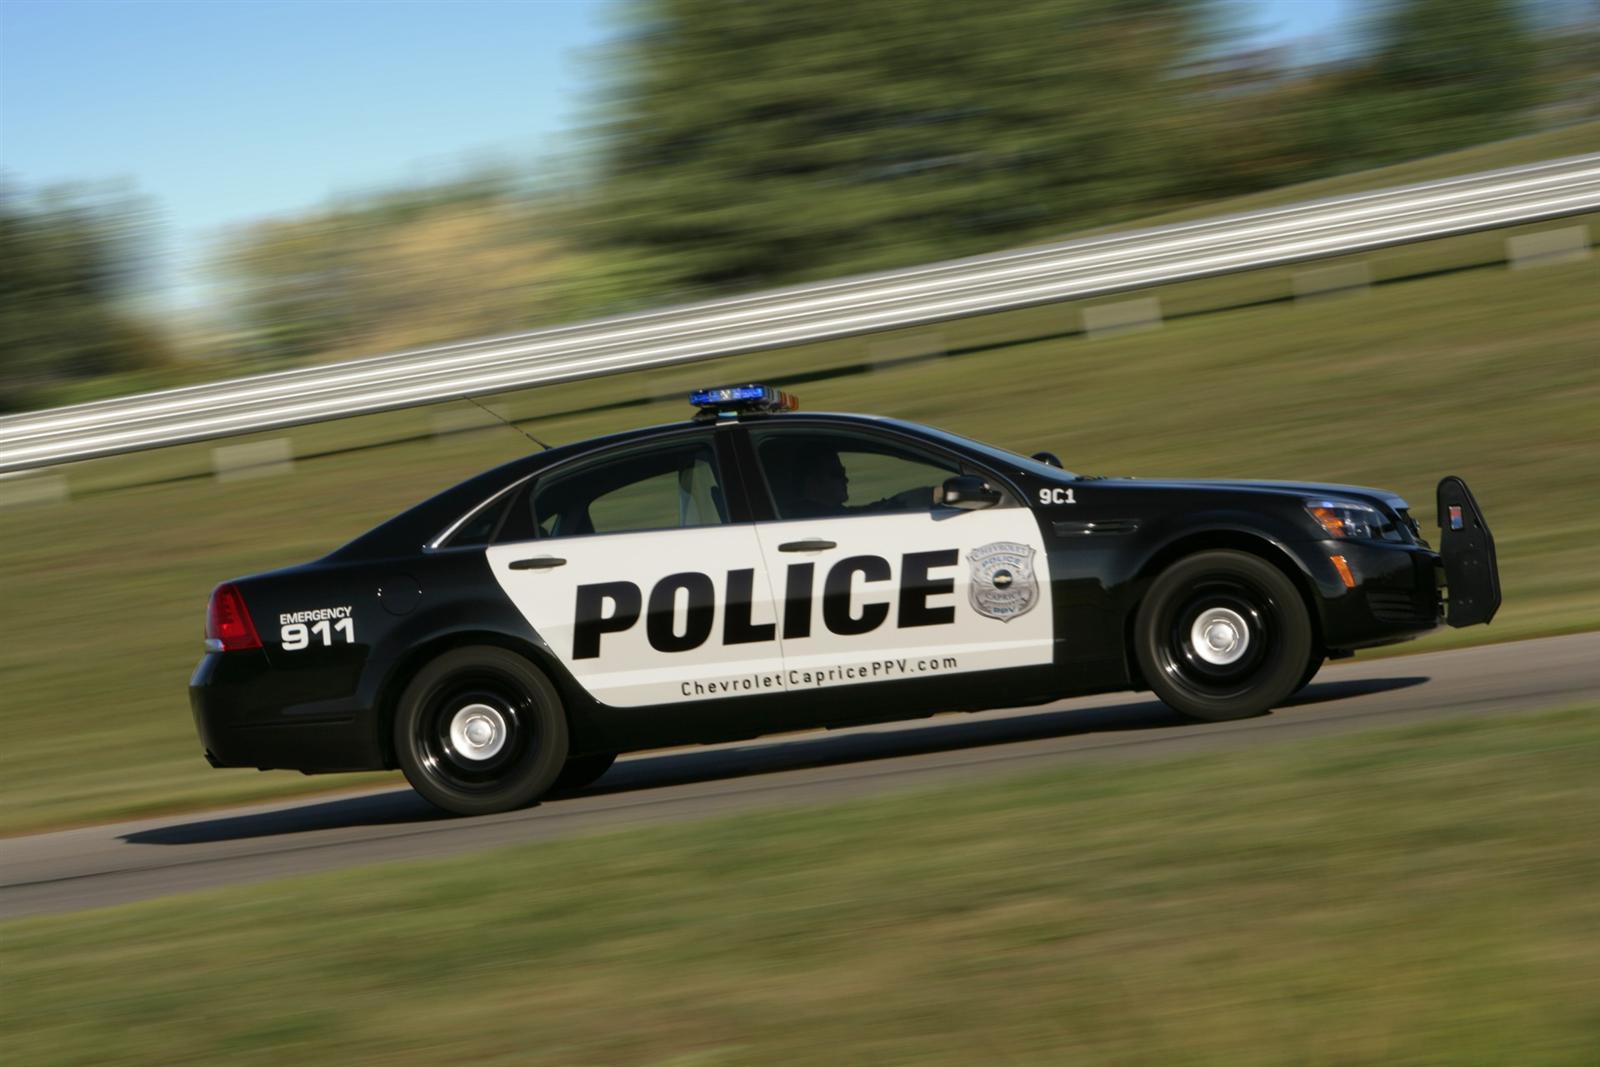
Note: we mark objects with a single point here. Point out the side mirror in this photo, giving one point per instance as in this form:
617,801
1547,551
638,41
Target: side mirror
968,492
1049,459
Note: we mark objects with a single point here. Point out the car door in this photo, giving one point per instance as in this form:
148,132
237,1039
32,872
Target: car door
638,581
877,582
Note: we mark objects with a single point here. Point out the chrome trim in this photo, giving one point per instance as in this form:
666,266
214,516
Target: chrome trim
438,542
1087,528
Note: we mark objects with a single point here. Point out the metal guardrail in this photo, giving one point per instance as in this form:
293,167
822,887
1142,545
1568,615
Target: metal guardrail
1070,270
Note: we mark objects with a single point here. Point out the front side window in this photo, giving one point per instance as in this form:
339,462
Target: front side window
660,487
830,473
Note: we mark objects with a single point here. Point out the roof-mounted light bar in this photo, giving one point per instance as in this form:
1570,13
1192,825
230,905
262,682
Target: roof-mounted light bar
741,400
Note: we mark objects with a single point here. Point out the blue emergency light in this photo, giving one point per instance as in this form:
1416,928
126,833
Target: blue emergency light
741,400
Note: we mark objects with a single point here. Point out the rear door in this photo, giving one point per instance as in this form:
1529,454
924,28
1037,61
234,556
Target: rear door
877,584
632,571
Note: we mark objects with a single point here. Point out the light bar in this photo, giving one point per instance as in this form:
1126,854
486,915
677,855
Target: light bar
742,399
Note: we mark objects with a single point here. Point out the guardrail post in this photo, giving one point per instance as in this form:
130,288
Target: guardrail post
1125,316
253,459
906,346
1343,279
1570,244
31,492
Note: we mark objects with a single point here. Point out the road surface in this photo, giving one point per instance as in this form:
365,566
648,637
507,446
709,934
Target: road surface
122,862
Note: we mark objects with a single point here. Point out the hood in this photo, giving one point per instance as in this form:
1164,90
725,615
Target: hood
1303,489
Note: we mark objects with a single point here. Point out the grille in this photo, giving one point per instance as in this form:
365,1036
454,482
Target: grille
1391,606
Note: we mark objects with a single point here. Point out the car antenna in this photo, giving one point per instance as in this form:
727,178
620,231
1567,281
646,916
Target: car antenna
508,422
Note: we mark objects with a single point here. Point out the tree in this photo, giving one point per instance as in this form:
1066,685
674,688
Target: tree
409,267
759,144
69,263
1448,73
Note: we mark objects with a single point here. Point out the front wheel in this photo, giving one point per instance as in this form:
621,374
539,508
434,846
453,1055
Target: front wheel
1312,667
480,730
1222,635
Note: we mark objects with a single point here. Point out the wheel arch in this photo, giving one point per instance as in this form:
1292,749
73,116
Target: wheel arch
426,651
1234,538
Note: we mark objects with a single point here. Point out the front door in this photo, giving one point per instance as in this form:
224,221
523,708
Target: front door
877,583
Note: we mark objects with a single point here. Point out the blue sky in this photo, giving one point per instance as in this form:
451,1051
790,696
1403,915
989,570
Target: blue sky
1312,28
222,111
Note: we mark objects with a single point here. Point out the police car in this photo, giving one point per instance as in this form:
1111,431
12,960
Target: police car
756,569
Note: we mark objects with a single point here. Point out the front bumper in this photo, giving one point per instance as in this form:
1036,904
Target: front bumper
1396,595
245,718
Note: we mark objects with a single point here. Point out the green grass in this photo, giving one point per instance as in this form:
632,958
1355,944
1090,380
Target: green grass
1491,374
1395,897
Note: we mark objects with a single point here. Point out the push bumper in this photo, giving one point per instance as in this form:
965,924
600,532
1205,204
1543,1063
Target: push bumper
1471,571
245,719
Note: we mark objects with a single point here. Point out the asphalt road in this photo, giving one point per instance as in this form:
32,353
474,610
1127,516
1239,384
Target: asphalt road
122,862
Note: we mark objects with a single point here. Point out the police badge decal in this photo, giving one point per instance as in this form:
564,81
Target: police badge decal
1003,586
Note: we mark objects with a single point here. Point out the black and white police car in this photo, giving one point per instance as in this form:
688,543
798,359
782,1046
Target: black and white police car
756,569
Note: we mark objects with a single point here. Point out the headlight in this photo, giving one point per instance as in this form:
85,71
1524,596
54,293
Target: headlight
1346,519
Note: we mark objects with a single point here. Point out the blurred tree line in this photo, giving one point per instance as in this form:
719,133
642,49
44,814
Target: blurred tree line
466,258
755,145
70,268
745,146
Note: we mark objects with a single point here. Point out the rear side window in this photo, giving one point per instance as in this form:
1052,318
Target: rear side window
660,487
479,527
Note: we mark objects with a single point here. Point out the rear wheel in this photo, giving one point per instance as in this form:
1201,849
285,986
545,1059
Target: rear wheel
480,730
1222,635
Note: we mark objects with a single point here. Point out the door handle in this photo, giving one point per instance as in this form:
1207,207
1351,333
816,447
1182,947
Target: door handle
537,563
812,544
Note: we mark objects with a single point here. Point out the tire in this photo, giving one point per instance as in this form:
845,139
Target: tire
1187,636
1316,663
581,771
480,730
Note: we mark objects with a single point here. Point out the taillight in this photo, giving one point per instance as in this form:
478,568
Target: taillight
228,625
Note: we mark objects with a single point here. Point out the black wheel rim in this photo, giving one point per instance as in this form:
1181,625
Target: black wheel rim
1219,636
454,715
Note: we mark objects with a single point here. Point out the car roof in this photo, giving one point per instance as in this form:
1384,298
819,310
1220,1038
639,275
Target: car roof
413,527
410,529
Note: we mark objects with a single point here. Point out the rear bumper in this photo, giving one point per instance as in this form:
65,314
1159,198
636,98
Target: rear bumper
245,719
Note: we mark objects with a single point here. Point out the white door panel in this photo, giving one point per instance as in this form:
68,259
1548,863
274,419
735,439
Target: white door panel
909,594
652,618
